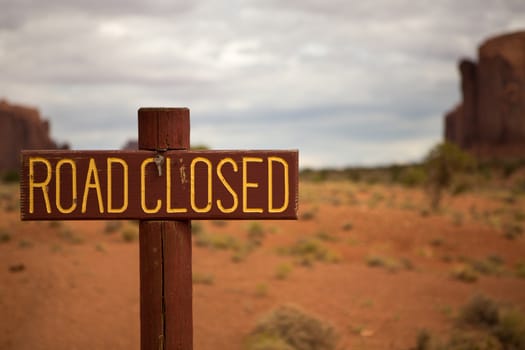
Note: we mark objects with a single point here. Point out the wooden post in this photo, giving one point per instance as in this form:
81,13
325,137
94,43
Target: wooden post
166,319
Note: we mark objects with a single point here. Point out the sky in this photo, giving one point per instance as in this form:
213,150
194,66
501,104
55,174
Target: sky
347,83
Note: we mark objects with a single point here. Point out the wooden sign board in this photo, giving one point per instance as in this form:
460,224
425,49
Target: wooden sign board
147,185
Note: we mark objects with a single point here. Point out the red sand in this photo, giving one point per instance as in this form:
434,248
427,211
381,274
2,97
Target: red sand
79,285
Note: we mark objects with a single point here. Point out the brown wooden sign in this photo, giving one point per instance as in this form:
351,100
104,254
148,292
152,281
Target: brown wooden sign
150,185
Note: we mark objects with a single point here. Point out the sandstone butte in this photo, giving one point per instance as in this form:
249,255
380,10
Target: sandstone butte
21,127
490,120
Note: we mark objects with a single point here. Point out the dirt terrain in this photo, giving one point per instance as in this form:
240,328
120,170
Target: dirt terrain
369,259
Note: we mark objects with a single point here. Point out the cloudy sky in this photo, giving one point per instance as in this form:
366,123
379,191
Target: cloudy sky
345,82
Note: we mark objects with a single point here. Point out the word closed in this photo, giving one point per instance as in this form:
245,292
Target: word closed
149,185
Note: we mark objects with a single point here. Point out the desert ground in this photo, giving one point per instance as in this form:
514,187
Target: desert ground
370,259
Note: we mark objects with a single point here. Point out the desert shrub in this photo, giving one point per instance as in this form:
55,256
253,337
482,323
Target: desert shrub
390,264
520,269
512,230
461,185
491,265
375,261
10,176
240,253
219,223
424,212
457,218
519,186
70,236
288,327
308,215
465,273
480,311
471,340
24,243
413,176
506,324
437,242
261,290
423,340
202,278
5,236
375,199
112,226
510,166
443,164
309,250
255,233
216,241
99,247
510,329
130,235
325,236
282,271
55,224
196,228
519,216
482,324
347,226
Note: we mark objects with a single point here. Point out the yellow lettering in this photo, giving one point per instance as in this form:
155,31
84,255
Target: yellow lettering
43,185
227,185
92,173
246,184
207,208
271,209
145,162
169,209
110,162
73,185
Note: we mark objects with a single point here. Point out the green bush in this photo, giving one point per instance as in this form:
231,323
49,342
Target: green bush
261,290
390,264
255,233
268,342
506,324
112,226
70,236
413,176
512,230
472,340
308,215
288,327
130,235
216,241
510,329
4,236
202,278
443,164
347,226
491,265
11,176
282,271
480,311
309,250
465,273
482,324
520,269
196,228
325,236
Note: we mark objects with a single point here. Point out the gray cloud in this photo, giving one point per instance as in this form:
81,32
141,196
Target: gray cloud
345,82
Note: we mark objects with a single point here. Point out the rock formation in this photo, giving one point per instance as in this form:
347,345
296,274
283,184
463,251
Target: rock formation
490,120
21,128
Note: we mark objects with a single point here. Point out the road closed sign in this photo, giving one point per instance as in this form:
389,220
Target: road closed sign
175,185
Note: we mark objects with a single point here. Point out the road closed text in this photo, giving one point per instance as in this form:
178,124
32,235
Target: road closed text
168,185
